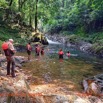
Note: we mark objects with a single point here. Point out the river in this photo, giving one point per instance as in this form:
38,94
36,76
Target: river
69,73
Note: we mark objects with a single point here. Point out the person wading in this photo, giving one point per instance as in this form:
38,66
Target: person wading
37,51
9,51
42,51
29,49
60,53
68,54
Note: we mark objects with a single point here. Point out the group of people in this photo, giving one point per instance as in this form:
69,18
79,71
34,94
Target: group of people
9,52
38,50
61,53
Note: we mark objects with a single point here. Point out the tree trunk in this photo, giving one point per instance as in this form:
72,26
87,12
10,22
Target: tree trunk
63,3
30,21
19,3
11,1
36,20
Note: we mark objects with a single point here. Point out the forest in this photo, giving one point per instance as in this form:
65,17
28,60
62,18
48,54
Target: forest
67,16
81,18
75,28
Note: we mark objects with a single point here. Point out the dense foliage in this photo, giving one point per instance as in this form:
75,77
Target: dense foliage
82,18
57,16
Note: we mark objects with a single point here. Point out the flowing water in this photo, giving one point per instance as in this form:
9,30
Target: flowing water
69,73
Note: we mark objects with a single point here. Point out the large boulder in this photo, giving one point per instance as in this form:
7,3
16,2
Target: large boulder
94,85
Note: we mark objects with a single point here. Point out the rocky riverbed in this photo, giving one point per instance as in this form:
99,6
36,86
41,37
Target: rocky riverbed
22,88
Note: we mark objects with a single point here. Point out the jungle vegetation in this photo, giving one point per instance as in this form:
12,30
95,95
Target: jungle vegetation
84,18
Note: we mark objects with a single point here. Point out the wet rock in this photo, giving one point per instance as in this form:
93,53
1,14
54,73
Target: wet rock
3,99
47,78
9,88
20,59
93,89
85,85
38,99
16,70
94,85
3,64
85,46
60,99
2,72
18,65
3,78
1,89
100,76
93,99
81,100
20,83
2,58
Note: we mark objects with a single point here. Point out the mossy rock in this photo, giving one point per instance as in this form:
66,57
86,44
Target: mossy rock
97,48
39,37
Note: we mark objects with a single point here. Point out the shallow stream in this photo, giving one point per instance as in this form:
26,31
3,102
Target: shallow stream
68,73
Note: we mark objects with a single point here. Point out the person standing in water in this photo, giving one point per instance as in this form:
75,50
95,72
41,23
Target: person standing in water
60,53
37,51
29,49
68,54
42,51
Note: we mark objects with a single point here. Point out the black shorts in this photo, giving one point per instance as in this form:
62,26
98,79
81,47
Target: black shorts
37,54
60,56
29,52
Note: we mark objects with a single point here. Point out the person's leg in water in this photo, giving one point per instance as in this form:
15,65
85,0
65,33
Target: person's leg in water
29,54
42,52
61,58
38,55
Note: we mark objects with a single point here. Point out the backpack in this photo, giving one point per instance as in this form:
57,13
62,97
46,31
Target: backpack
5,46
